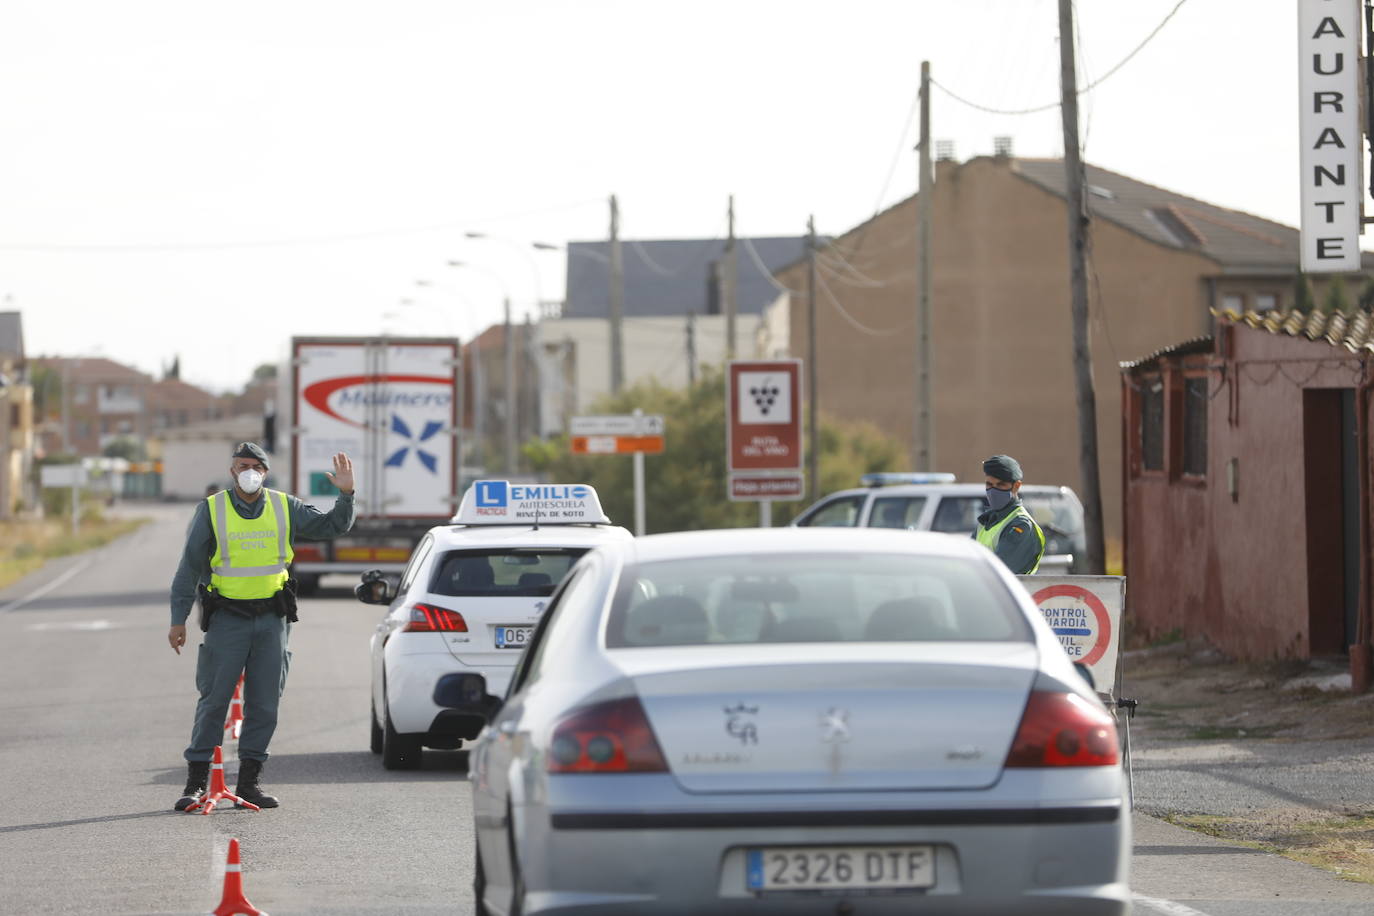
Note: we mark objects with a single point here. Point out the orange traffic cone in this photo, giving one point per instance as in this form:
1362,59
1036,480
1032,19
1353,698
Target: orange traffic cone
218,790
234,724
234,903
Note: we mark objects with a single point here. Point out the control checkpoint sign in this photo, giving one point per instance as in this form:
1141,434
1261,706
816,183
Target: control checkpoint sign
763,429
1085,614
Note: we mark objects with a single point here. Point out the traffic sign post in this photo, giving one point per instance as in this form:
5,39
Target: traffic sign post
763,432
1085,613
636,434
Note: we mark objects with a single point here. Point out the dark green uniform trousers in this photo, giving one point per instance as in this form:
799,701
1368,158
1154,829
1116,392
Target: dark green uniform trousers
256,648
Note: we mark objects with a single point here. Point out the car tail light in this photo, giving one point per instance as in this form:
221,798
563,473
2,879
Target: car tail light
427,618
1063,730
307,553
610,737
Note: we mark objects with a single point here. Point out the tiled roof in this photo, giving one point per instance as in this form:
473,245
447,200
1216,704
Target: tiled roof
673,276
1238,241
1353,331
1187,348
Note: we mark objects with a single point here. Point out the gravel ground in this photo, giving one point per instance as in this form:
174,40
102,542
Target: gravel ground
1278,754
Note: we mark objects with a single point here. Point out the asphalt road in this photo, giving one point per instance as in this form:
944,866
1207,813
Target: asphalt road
95,710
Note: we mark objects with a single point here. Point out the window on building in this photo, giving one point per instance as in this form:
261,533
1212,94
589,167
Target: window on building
1195,427
1266,302
1152,425
1233,302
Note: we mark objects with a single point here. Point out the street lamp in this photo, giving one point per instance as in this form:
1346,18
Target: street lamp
524,250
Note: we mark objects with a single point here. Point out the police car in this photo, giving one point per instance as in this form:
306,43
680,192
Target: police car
468,601
934,502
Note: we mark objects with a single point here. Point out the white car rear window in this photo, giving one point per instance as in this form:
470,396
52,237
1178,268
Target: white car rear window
508,572
789,598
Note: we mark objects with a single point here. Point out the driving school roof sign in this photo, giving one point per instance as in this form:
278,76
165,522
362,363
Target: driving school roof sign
500,502
1085,614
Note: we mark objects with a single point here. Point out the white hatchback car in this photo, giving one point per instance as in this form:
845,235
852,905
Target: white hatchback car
468,601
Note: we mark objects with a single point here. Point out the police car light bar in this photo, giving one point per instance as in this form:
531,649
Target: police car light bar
891,478
500,502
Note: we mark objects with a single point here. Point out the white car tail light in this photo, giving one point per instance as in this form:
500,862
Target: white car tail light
610,737
429,618
1063,730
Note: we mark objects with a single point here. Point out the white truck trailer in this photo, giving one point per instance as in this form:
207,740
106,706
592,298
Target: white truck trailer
392,404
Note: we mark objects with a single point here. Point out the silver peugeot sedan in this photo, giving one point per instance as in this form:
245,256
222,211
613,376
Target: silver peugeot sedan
797,721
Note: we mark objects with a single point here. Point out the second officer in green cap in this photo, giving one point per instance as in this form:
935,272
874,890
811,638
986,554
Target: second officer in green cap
1006,528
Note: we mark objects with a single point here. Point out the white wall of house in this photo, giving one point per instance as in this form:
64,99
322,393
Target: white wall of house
655,348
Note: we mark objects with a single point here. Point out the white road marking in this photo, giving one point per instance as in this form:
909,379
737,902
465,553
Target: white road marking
1168,907
73,625
40,592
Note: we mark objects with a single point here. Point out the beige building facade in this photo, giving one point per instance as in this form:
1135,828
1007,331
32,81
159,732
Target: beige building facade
1001,329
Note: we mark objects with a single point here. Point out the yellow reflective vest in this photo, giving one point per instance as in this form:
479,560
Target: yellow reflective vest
251,554
989,537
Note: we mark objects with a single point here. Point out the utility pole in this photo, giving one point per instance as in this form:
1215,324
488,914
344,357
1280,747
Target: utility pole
480,402
691,348
925,418
728,282
617,303
510,398
1082,351
813,482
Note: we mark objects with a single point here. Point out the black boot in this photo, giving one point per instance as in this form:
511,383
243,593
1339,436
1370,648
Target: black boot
197,779
247,788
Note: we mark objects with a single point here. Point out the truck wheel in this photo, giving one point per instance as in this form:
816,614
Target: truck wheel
307,584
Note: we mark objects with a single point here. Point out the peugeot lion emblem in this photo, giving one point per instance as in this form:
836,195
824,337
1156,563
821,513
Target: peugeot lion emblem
835,725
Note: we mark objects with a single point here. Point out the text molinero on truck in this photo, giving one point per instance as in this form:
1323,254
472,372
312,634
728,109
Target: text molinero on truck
392,405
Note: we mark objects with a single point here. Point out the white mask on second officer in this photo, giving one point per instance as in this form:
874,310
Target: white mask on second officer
250,480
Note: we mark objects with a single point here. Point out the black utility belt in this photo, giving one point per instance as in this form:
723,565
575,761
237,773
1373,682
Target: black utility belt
252,607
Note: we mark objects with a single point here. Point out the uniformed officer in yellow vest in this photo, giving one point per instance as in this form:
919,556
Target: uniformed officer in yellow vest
239,545
1006,528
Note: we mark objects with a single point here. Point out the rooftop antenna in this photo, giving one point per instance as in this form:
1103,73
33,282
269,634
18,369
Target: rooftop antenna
536,519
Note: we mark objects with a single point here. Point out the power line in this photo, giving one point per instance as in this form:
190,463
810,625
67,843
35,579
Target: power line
854,322
653,265
861,279
283,243
1088,88
763,269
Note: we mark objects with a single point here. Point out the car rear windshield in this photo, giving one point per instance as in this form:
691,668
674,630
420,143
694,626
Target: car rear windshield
831,597
508,572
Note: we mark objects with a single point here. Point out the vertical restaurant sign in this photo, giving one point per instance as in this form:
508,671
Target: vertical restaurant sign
1329,130
763,415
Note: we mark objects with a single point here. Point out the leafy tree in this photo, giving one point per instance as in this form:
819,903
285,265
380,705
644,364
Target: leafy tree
47,391
264,372
1303,300
1366,300
126,447
1336,298
685,487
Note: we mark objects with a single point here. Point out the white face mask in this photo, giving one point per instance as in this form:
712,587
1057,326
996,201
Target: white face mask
250,481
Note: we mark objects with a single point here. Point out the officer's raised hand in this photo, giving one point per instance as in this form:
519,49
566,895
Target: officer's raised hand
342,475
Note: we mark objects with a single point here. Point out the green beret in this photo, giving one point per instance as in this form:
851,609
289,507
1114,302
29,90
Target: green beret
251,450
1003,467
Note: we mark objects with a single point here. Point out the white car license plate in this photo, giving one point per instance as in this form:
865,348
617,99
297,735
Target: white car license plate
820,868
512,637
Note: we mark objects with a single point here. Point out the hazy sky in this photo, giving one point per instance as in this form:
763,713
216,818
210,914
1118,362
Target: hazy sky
205,180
